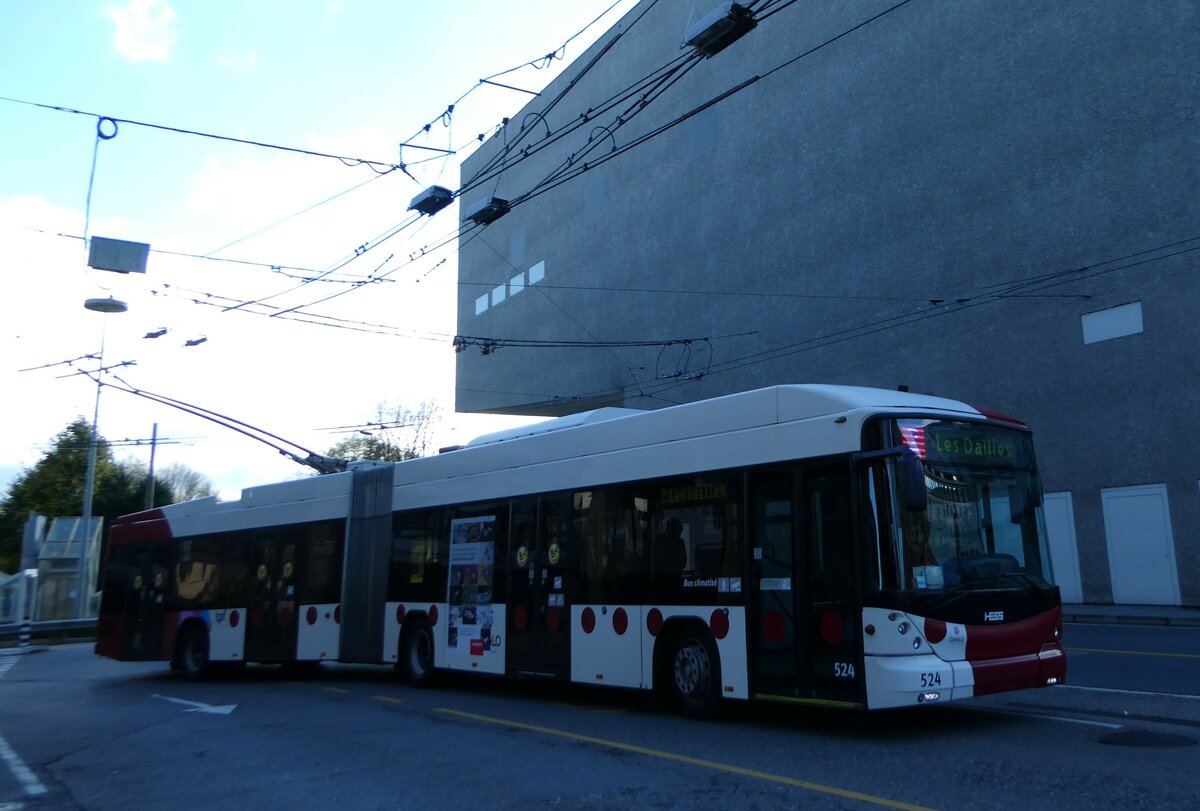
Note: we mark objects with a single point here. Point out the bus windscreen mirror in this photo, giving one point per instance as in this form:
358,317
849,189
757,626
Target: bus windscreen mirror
910,479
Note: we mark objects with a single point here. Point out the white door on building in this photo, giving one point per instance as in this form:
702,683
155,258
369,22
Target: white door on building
1141,549
1064,553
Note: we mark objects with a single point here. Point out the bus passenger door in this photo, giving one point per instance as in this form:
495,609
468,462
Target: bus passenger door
777,637
834,619
148,600
540,560
271,632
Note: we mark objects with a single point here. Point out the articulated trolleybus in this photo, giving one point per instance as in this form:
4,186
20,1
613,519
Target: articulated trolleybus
829,544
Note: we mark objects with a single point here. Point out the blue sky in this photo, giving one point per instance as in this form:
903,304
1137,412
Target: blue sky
348,77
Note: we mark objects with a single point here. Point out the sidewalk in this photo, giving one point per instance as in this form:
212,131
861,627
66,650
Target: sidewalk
1132,614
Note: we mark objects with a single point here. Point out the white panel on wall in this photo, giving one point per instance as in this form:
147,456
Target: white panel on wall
516,284
1141,549
481,304
1115,322
1064,553
537,272
498,294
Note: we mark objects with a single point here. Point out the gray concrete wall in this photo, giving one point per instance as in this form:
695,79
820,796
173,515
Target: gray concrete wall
839,209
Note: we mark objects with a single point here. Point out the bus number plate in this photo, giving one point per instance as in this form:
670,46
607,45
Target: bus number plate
843,670
931,679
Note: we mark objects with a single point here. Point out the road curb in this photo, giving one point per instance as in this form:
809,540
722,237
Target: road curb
1107,618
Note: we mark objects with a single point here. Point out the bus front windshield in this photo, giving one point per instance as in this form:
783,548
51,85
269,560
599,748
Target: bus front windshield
983,525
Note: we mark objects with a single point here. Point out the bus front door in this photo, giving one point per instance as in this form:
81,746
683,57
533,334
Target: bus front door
832,600
271,631
806,643
541,582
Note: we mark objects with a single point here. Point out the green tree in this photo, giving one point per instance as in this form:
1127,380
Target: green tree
54,487
397,433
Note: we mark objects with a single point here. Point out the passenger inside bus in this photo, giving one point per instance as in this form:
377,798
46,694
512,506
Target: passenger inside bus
670,553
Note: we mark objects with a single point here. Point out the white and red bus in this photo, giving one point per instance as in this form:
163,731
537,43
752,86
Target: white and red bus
805,543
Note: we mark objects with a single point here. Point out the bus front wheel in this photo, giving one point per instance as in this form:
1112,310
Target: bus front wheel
416,653
192,652
693,674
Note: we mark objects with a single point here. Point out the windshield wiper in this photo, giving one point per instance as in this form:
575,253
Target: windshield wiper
1033,584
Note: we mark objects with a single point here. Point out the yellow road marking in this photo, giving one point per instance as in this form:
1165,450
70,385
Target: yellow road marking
389,699
1134,652
592,707
692,761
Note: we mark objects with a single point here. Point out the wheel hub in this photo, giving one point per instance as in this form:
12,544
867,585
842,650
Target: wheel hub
691,669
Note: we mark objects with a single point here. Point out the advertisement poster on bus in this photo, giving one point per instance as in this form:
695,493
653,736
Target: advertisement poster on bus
472,573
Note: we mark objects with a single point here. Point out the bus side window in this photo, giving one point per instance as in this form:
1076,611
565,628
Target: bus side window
236,582
697,538
611,530
323,572
198,572
417,563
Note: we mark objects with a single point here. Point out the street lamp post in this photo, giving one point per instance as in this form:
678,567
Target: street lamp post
105,306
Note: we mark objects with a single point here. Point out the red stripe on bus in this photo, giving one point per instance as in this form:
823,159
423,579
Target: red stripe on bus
151,525
1020,638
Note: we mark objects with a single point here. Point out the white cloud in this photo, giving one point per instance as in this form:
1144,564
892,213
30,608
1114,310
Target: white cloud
238,62
145,30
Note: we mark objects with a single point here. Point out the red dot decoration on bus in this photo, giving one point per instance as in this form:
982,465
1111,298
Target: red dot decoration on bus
654,621
774,625
311,615
400,614
433,617
588,620
935,631
718,623
520,618
235,617
620,621
833,630
337,615
552,618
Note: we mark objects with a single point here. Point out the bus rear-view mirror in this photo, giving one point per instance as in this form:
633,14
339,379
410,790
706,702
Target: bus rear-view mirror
910,479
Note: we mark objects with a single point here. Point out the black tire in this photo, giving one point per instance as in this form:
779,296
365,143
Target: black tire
692,673
416,653
191,652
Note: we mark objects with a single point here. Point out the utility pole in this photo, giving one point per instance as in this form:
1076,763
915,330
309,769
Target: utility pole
150,478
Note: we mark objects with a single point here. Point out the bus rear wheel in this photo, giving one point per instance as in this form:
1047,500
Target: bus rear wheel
694,674
192,652
416,653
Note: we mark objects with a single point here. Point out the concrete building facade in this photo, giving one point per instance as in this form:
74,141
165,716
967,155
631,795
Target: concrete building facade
995,202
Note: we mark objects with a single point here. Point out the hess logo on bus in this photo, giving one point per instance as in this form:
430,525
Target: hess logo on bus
993,616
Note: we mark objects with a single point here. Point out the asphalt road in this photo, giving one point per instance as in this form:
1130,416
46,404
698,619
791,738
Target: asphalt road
1153,658
79,732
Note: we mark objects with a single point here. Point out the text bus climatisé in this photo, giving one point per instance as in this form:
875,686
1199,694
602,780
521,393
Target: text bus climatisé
840,545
